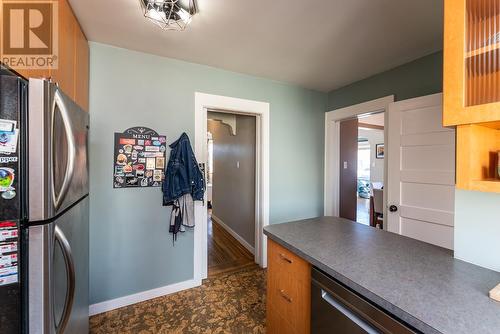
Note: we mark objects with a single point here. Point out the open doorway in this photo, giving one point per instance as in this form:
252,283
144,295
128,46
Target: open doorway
333,160
371,164
419,168
260,110
231,186
362,168
363,192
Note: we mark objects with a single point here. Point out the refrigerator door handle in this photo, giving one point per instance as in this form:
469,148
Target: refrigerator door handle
59,104
70,268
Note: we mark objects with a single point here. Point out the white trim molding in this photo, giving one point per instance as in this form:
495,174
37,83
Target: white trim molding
141,296
235,235
203,103
332,146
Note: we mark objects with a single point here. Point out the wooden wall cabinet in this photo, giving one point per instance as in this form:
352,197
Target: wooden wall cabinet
288,292
64,74
471,62
477,157
82,69
72,73
471,89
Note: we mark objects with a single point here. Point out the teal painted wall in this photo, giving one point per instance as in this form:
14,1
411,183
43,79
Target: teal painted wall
477,228
477,215
420,77
130,247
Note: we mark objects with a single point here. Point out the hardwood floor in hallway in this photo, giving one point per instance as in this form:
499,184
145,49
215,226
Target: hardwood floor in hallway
225,253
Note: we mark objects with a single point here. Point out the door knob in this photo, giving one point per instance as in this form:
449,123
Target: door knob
393,208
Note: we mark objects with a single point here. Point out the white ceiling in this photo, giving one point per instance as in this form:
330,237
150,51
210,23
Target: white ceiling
317,44
375,119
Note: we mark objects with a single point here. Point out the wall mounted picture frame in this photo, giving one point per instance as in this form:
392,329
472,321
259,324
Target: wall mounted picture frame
379,151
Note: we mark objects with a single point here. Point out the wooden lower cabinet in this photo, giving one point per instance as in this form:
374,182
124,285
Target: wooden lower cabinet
277,324
288,292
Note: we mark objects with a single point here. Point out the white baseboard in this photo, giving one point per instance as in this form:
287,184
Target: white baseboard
141,296
245,244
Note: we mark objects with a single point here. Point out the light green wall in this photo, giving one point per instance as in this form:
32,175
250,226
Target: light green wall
477,215
130,247
420,77
477,228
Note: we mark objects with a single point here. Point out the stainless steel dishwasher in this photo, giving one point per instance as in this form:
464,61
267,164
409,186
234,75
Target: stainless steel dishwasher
337,310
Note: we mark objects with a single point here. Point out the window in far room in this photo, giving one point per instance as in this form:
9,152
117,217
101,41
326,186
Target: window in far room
363,159
363,177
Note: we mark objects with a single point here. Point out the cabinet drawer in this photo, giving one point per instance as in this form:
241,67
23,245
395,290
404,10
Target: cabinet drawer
277,324
288,291
290,298
286,262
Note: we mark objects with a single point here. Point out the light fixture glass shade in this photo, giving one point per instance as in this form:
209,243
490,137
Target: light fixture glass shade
169,14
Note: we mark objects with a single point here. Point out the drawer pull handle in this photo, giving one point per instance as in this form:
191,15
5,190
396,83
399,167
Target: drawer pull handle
284,258
285,296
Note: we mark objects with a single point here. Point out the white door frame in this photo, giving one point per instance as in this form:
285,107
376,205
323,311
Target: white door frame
203,103
332,147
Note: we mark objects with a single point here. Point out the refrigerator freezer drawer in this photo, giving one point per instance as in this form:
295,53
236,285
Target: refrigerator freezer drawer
58,157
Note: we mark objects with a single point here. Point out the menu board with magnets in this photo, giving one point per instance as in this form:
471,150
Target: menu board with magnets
139,158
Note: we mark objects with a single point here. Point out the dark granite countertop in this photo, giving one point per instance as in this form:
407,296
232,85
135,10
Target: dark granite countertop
419,283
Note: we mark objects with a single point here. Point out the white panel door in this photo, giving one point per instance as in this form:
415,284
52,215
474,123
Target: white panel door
421,171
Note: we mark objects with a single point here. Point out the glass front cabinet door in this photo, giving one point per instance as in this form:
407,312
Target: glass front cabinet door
471,62
471,90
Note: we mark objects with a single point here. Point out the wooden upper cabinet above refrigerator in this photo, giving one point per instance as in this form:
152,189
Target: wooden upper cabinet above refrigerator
64,75
81,76
72,72
471,62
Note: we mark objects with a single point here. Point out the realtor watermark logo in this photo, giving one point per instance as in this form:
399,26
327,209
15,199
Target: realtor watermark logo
29,34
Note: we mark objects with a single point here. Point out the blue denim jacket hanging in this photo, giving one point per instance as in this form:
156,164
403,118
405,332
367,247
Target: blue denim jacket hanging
183,175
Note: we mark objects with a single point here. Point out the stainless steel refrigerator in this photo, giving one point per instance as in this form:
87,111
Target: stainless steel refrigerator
53,219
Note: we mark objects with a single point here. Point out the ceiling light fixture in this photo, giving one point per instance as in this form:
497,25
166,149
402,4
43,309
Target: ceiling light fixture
169,14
